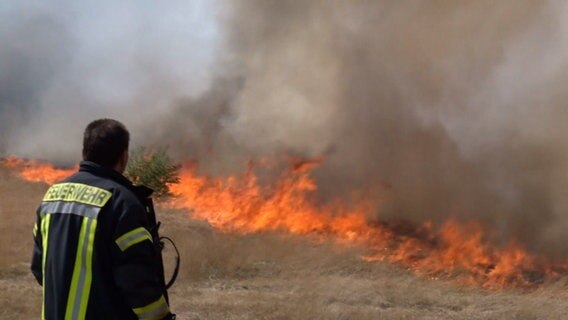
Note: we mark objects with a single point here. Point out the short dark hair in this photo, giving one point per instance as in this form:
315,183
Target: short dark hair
104,141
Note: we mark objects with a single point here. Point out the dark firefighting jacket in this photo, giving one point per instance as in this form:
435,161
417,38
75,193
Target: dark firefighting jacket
96,251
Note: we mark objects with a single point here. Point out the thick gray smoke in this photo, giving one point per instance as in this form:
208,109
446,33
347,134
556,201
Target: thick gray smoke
439,109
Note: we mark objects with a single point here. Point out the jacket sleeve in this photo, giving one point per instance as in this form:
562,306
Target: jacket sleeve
37,255
135,263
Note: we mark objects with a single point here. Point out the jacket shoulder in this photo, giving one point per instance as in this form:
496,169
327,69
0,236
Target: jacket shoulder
121,195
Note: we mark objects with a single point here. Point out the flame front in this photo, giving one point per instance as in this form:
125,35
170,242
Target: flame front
36,171
241,204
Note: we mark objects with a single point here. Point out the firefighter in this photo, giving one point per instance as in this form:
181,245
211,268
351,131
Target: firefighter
97,250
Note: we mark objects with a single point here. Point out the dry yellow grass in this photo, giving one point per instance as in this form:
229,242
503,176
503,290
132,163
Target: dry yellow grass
270,276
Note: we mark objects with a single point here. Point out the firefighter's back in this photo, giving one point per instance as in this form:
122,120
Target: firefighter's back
76,223
96,245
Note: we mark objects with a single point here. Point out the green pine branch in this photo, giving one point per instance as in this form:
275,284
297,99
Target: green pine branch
153,168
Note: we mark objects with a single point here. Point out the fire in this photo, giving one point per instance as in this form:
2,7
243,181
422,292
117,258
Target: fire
35,171
242,204
239,203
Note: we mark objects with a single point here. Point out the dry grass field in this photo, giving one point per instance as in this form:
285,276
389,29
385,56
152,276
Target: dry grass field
270,276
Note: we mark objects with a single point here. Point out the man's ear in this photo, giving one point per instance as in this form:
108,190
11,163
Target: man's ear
125,157
120,166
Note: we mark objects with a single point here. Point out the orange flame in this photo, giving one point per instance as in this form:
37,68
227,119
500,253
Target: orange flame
35,171
239,203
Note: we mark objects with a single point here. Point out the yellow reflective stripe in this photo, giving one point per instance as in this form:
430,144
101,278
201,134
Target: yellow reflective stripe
154,311
76,271
82,272
133,237
44,242
35,230
89,276
77,192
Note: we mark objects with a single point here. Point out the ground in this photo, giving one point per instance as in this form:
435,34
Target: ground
270,276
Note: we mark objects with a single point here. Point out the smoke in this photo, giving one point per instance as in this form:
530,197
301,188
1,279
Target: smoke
65,63
438,109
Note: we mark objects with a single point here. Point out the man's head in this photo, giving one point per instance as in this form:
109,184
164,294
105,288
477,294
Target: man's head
106,142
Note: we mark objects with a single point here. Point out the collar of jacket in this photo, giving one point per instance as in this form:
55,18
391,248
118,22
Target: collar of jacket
142,192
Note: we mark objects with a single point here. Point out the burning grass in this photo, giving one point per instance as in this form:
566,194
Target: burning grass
455,250
240,204
270,275
36,171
